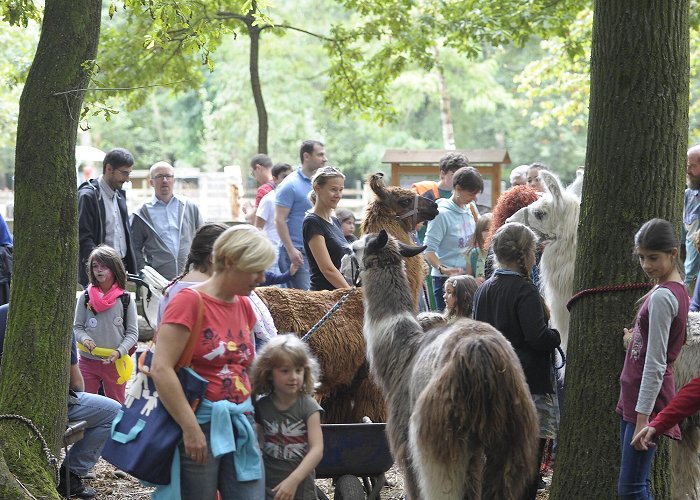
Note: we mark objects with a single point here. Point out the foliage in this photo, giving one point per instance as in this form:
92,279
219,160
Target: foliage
404,33
556,88
207,118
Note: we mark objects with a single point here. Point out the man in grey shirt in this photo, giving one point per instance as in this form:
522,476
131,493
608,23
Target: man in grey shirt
102,214
176,219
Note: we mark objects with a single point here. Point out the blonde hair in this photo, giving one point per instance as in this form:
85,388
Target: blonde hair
323,174
286,348
248,248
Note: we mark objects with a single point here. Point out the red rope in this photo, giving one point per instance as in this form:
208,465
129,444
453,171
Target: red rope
607,288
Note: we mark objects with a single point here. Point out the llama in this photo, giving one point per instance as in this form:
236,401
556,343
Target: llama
461,421
382,214
555,218
347,391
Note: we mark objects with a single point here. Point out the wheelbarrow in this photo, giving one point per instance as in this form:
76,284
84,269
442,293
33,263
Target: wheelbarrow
355,456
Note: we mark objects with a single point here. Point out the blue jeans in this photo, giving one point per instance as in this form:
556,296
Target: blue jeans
98,412
438,285
302,279
201,481
634,482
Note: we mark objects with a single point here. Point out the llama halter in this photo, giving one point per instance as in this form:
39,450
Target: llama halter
413,213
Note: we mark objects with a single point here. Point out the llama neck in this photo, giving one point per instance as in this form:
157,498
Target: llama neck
386,292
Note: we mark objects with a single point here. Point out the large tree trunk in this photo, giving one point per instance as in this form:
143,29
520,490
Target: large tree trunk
635,161
34,372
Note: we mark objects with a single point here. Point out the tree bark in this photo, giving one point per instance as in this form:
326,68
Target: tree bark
34,372
254,34
635,170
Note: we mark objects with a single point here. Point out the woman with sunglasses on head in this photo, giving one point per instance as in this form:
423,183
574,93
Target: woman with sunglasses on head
324,241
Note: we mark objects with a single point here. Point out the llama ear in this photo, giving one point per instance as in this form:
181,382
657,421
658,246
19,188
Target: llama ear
410,251
382,238
576,187
376,184
376,243
552,183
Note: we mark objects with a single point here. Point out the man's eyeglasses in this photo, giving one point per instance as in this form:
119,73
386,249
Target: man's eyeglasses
166,177
125,173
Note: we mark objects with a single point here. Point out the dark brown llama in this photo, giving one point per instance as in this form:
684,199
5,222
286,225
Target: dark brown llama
461,421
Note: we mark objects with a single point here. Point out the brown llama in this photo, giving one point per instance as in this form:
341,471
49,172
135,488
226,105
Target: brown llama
392,211
347,391
461,421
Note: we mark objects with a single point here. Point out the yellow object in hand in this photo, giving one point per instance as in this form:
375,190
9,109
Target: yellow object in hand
124,365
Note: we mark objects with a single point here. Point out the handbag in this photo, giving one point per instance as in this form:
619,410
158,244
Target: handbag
144,436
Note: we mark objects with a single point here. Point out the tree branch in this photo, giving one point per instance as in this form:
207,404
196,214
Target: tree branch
116,89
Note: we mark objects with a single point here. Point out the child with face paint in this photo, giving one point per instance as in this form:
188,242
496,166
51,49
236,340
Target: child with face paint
103,332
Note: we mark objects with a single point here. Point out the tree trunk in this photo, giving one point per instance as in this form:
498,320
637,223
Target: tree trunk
254,34
448,133
637,138
34,374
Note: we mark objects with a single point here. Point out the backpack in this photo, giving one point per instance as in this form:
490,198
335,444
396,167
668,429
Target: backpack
125,298
422,187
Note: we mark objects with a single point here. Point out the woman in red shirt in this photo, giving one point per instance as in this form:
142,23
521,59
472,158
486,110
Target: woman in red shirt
209,459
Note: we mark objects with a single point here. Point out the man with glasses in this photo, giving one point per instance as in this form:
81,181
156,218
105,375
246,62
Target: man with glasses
102,215
165,249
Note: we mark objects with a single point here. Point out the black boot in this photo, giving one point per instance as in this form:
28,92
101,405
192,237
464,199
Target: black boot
77,488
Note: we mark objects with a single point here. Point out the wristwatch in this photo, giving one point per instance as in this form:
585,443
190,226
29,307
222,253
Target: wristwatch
439,268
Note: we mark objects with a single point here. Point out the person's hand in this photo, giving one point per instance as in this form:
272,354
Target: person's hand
195,445
644,438
642,422
112,357
453,271
293,268
89,344
286,489
626,337
247,207
296,257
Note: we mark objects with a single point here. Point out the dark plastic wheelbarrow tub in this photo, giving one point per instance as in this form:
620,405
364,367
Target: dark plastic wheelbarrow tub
354,449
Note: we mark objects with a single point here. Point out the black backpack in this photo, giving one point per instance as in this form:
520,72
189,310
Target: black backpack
125,298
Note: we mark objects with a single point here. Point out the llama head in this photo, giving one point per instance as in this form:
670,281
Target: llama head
555,215
409,207
381,249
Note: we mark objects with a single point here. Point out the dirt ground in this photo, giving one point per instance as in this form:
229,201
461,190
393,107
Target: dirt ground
126,487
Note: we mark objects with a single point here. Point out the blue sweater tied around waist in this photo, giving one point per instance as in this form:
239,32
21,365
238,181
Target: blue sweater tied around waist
223,417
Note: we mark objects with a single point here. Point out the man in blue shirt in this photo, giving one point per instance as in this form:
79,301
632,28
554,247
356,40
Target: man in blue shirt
691,213
291,204
162,228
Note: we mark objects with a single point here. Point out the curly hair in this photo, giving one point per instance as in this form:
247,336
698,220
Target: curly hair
451,162
286,348
508,203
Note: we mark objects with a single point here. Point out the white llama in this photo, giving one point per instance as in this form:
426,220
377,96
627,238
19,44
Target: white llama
554,218
461,422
